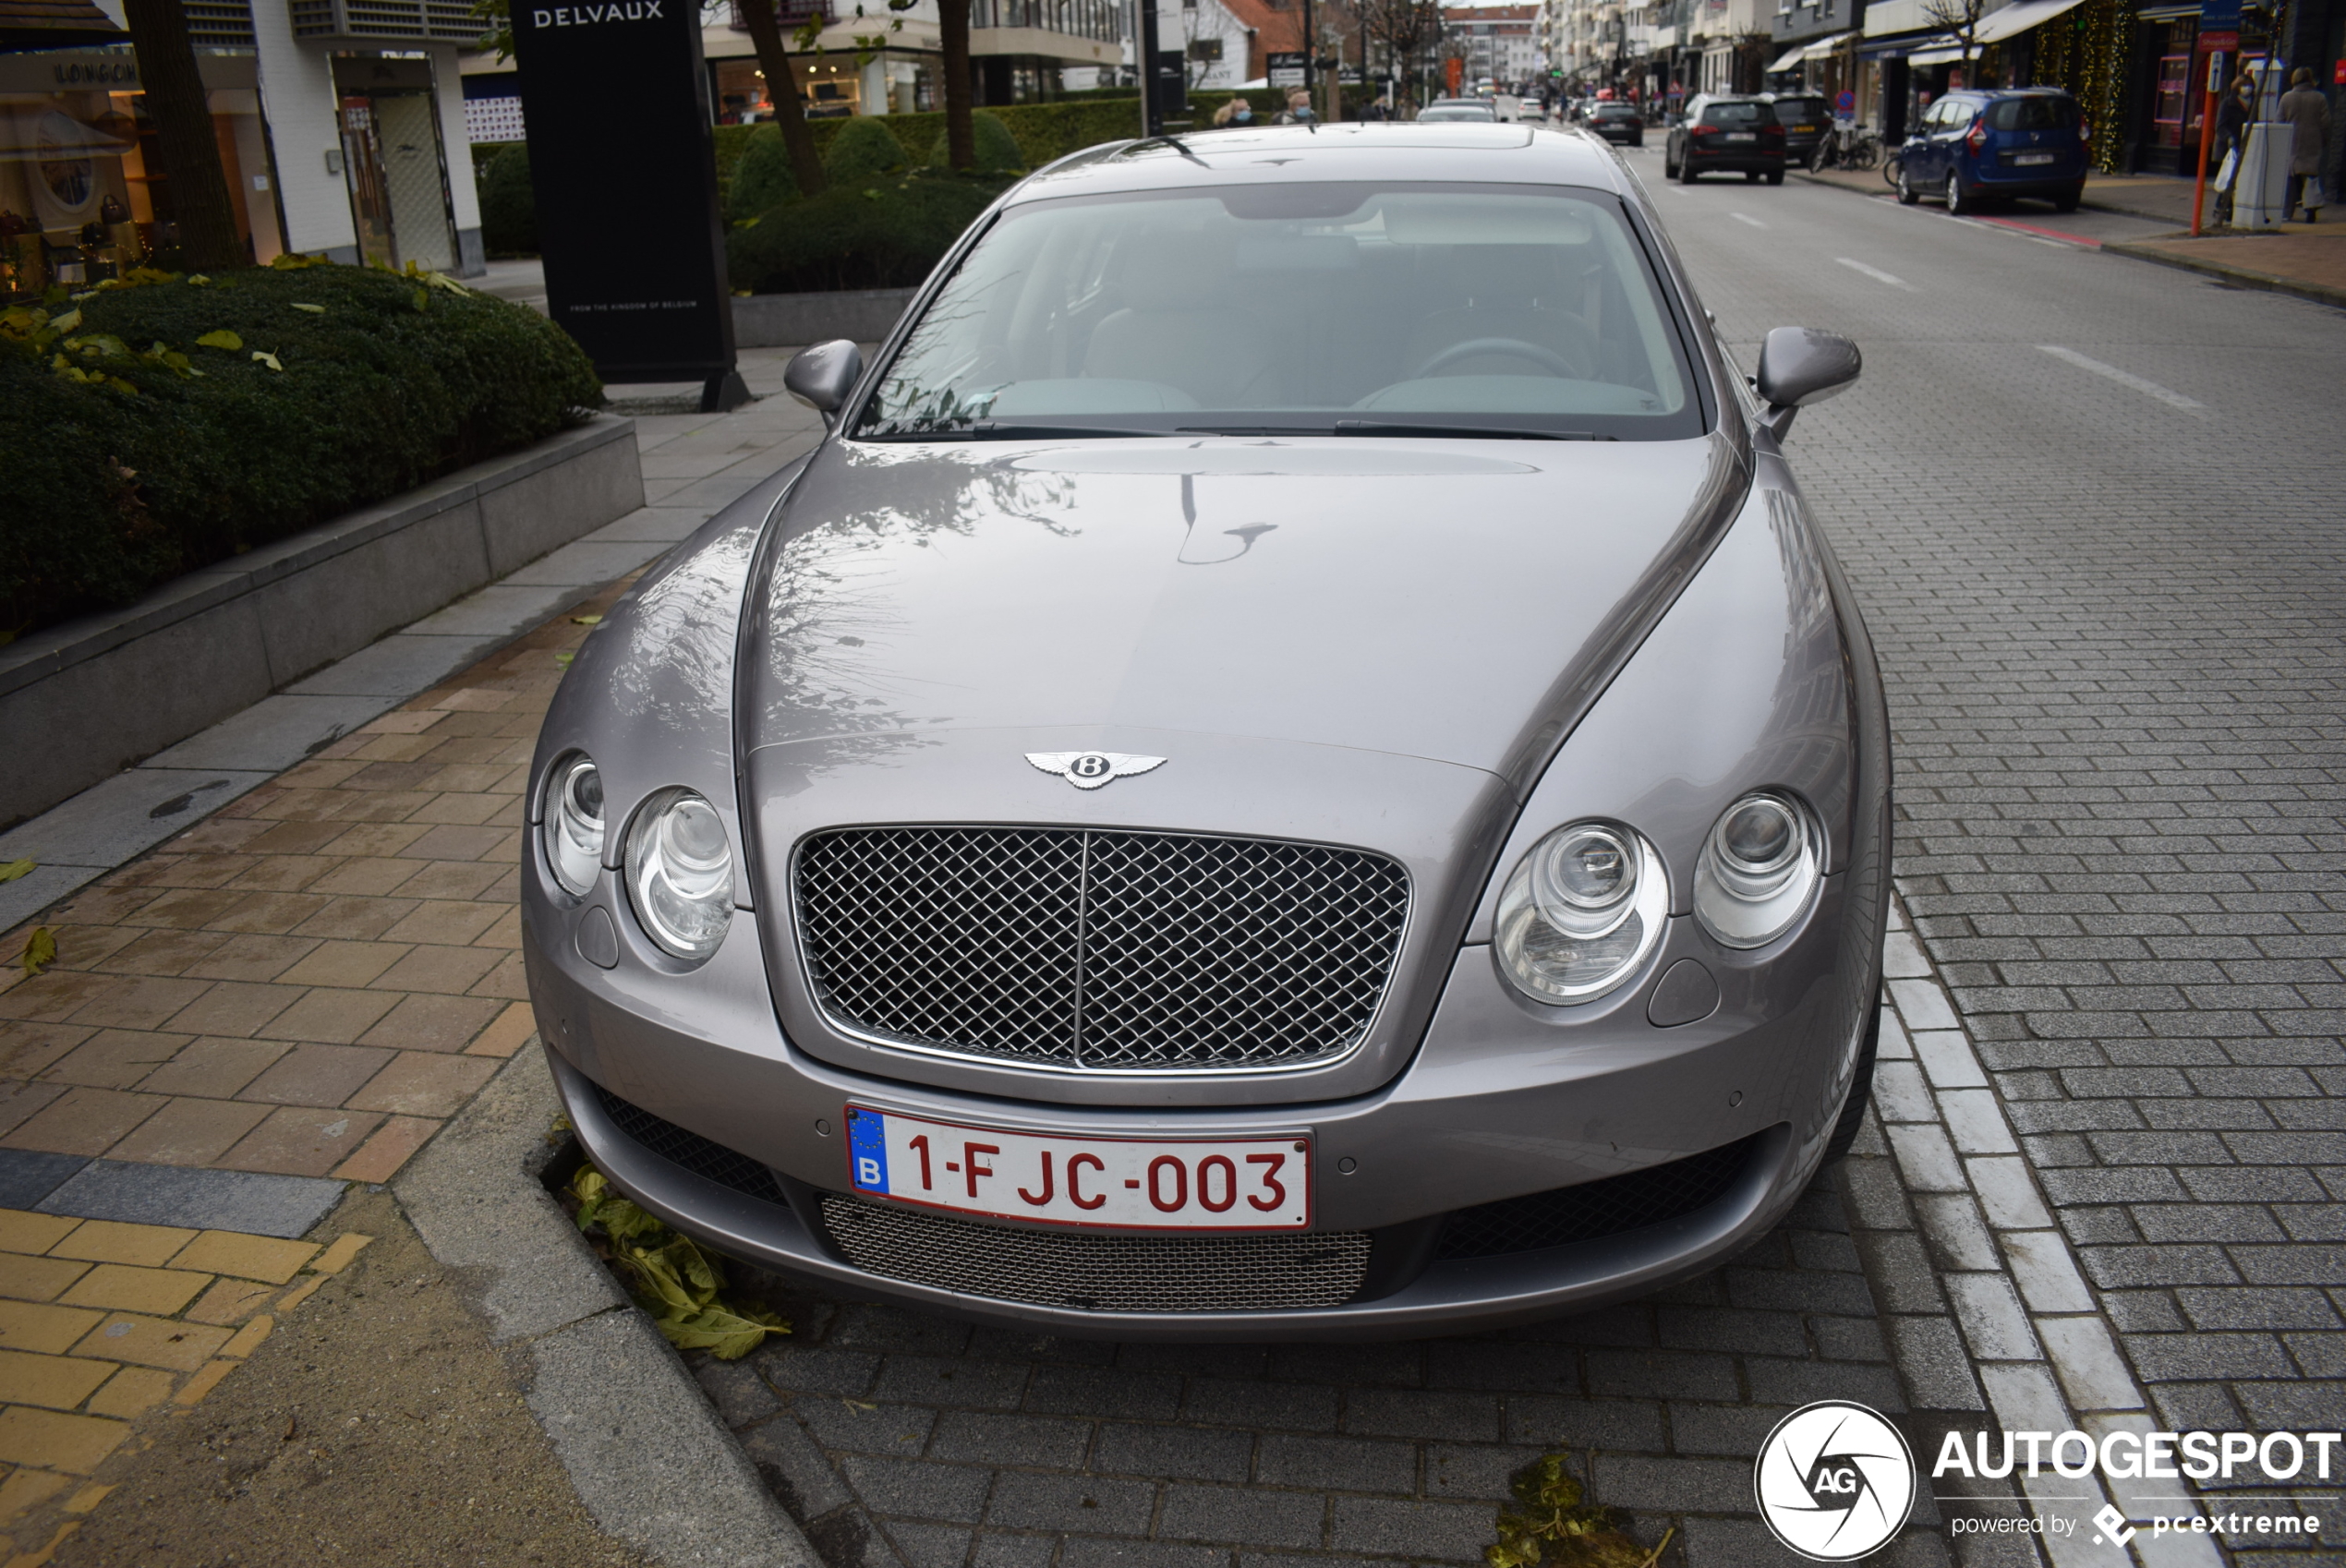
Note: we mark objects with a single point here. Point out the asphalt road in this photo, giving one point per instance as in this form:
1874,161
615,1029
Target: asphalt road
2090,505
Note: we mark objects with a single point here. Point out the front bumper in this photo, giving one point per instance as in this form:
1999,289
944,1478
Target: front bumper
1502,1100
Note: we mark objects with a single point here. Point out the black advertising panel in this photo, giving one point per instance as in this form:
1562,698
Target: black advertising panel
614,97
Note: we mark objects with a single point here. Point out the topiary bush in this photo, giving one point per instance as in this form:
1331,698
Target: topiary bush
863,149
998,150
508,204
884,234
172,422
763,179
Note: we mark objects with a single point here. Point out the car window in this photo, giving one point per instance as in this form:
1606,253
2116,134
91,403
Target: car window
2033,114
1807,110
1737,115
1457,112
1293,308
1958,115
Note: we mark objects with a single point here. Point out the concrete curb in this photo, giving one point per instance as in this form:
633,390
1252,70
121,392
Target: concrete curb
645,1452
2320,294
108,689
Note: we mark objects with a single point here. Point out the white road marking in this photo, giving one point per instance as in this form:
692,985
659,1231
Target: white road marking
1877,274
2166,395
1747,218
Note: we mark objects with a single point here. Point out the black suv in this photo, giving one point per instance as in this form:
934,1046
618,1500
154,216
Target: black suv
1805,119
1624,125
1726,133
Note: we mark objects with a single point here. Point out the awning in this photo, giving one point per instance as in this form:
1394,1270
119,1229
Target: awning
1945,55
1788,59
2013,20
1899,48
1825,46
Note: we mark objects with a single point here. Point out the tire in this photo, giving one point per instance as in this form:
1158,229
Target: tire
2067,200
1852,1109
1685,172
1751,176
1775,177
1962,200
1907,194
1669,168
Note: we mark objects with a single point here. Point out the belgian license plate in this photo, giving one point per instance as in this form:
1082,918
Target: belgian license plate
2031,158
1802,130
1743,136
1127,1182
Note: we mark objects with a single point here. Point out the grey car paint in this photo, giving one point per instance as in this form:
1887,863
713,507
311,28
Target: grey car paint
1339,641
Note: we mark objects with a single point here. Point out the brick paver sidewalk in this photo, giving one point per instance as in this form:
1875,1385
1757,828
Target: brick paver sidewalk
102,1321
310,981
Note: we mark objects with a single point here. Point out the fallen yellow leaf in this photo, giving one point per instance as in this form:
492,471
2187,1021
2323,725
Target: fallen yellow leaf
40,949
15,869
223,338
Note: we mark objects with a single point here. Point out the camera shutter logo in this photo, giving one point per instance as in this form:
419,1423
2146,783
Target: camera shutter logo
1834,1481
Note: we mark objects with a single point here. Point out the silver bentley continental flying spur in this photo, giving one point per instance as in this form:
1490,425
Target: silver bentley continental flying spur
1293,766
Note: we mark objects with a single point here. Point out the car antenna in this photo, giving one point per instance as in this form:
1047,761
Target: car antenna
1172,141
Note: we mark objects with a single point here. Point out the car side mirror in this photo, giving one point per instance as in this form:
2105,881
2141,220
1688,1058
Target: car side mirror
1799,366
821,376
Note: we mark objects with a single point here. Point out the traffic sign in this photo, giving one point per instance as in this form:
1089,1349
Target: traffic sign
1846,104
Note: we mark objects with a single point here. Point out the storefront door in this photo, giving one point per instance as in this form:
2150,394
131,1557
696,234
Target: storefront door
393,165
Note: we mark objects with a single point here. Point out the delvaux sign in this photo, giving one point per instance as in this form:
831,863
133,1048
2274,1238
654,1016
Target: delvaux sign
615,99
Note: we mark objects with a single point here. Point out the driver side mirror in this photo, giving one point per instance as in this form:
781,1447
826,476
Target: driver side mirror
821,376
1799,366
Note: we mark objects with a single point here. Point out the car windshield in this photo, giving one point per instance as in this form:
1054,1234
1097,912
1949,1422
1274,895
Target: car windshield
1804,109
1736,115
1458,111
1615,112
2033,114
1306,308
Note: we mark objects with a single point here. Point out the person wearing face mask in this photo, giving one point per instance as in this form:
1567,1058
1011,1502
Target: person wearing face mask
1237,112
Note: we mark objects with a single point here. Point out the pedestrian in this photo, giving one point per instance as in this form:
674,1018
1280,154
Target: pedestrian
2232,118
2307,113
1237,112
1298,109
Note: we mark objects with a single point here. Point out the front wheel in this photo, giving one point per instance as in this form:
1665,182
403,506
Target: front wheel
1907,194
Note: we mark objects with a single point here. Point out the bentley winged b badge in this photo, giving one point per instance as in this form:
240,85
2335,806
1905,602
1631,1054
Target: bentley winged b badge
1089,770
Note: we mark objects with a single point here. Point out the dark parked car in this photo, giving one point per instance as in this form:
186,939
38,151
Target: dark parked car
1972,146
992,868
1721,134
1805,119
1621,124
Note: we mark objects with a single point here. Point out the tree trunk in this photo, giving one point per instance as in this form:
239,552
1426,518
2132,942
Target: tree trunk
197,185
953,36
782,90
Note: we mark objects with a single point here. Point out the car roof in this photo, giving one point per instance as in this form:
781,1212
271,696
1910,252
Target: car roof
1490,152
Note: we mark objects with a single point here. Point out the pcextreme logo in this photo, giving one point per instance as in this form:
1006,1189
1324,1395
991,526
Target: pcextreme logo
1834,1480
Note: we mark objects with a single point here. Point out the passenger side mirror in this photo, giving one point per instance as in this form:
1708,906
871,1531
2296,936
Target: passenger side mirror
821,376
1799,366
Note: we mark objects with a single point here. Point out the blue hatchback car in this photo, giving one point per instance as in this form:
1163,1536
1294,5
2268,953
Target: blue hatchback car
1972,146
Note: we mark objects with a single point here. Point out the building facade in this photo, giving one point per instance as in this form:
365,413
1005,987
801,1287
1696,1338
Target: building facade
341,126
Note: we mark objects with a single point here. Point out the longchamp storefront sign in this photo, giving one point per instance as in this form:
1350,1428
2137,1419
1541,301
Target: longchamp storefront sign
615,102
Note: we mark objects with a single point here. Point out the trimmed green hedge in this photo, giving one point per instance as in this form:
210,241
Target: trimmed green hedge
509,204
139,451
1043,131
886,233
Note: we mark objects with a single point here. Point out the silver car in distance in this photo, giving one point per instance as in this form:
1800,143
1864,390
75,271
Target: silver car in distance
1293,766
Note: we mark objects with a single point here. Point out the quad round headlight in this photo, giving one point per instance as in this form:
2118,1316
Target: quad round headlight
680,874
1580,912
1760,870
573,826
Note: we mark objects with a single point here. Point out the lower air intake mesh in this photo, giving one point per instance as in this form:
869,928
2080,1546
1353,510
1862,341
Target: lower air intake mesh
1595,1209
1100,1274
690,1150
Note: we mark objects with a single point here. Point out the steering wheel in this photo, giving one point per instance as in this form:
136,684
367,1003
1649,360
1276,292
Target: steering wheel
1555,363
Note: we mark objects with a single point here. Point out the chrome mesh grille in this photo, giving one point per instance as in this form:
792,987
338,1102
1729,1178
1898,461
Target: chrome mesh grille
1097,1273
1109,952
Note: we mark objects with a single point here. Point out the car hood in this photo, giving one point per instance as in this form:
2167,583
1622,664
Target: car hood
1430,599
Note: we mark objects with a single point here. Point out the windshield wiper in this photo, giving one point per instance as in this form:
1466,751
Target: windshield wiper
1474,432
1005,430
